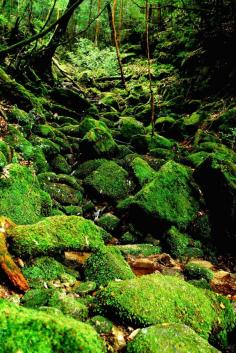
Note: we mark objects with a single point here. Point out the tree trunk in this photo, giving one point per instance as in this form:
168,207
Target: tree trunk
97,24
109,12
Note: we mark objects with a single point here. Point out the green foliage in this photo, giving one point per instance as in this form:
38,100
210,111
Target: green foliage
94,61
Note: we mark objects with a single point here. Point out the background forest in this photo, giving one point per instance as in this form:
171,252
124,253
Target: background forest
117,176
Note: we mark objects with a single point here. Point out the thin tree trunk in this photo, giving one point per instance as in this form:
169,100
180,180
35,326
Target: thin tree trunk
97,24
152,103
120,21
109,12
117,44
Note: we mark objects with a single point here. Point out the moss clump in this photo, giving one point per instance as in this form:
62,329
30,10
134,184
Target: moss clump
178,242
56,234
21,198
45,269
85,288
60,165
101,324
88,124
31,331
169,198
158,141
108,221
68,305
197,158
139,249
16,140
3,161
142,171
195,271
6,150
88,167
129,127
64,194
170,299
98,143
110,180
107,265
22,118
170,338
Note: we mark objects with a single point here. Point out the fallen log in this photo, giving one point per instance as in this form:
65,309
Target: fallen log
7,264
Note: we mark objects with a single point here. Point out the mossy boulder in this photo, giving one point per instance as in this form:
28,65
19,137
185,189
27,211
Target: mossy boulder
86,168
182,245
217,179
110,181
157,299
168,199
170,338
21,198
60,165
108,221
196,271
129,127
56,234
6,150
89,123
31,331
3,161
107,265
64,194
139,249
101,324
98,142
46,269
142,171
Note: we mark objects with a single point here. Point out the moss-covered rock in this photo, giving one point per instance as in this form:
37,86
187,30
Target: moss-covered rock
101,324
6,150
107,265
196,271
169,198
88,167
130,127
64,194
45,269
170,299
108,221
88,124
139,249
3,161
56,234
110,181
85,288
142,171
60,165
21,198
169,338
98,143
31,331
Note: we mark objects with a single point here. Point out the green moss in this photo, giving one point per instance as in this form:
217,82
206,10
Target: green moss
129,127
195,271
88,124
60,165
178,242
73,210
163,153
21,198
39,161
68,305
158,141
3,161
129,238
200,283
64,194
169,197
16,140
85,288
139,249
169,338
35,298
142,171
6,150
56,234
22,118
48,147
101,324
110,180
31,331
107,265
197,158
98,143
45,269
88,167
170,299
108,221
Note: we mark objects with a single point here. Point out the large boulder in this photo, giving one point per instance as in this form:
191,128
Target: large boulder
110,181
169,338
56,234
31,331
169,199
107,265
157,299
21,198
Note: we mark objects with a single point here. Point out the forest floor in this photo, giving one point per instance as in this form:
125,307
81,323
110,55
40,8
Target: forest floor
123,234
